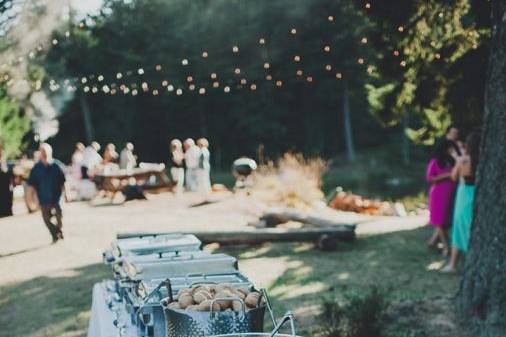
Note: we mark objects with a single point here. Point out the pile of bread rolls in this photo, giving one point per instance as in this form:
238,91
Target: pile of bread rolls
201,297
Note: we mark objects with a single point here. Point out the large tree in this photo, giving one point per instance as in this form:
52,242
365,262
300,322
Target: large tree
483,290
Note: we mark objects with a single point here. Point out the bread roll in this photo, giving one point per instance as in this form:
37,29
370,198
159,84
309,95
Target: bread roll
206,306
185,300
252,299
201,296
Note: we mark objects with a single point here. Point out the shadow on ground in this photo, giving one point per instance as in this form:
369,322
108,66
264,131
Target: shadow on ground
398,263
50,306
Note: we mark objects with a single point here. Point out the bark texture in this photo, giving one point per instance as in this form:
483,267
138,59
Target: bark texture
482,297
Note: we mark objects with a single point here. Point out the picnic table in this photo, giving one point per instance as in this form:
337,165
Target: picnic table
151,177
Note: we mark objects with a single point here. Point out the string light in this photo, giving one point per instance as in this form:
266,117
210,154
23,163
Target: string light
202,91
170,88
191,87
396,53
155,92
119,76
134,92
214,76
204,54
165,83
437,56
360,60
179,92
279,83
339,76
184,62
299,72
158,67
189,79
235,49
237,71
368,5
140,71
293,31
403,64
253,87
400,29
267,65
100,78
296,58
261,41
330,18
364,40
328,67
216,84
243,81
226,89
268,78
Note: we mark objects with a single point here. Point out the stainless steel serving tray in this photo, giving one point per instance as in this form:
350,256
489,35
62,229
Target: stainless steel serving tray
155,243
177,265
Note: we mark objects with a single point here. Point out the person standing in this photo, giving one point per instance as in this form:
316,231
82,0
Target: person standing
464,172
441,193
191,158
6,185
91,160
48,181
177,165
127,160
204,171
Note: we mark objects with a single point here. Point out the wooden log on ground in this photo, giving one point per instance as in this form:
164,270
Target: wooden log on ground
258,236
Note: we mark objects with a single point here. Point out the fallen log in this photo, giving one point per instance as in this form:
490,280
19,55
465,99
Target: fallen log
257,236
275,216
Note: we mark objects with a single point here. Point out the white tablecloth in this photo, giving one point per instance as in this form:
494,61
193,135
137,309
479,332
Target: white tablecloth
102,316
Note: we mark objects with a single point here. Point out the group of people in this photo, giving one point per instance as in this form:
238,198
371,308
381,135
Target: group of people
190,165
451,174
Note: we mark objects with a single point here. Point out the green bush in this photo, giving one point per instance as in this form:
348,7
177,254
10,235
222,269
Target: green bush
361,316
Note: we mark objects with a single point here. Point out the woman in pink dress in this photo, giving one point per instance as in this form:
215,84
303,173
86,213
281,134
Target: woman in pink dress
441,192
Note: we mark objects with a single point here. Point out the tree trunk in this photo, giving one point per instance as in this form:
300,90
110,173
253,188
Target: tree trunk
405,139
482,296
88,126
348,132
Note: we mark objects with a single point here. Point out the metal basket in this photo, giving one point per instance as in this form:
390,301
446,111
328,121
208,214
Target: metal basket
274,333
181,323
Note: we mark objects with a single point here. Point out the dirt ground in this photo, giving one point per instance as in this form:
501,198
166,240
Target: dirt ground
51,284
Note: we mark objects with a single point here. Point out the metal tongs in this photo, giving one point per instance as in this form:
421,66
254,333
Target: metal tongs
287,317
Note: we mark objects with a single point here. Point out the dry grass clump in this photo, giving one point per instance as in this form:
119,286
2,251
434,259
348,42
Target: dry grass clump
294,182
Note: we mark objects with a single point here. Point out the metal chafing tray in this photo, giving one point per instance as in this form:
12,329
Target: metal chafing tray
155,243
176,265
143,299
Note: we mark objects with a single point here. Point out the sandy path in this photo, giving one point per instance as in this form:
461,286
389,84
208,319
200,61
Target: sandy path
26,252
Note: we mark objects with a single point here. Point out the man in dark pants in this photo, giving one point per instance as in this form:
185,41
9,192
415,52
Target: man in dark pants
6,182
48,180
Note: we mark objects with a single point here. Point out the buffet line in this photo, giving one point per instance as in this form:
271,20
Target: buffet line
164,285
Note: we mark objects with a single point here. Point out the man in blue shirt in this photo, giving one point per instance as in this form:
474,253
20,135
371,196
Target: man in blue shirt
48,180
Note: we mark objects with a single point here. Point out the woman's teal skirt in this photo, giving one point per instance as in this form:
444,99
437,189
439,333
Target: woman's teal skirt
462,216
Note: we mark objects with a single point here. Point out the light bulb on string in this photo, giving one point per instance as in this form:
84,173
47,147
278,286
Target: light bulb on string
86,88
67,33
170,88
370,70
364,40
339,76
113,91
105,89
293,31
140,71
296,58
84,80
309,79
191,87
368,5
400,29
189,79
158,67
134,92
126,90
216,84
326,49
267,65
155,92
328,67
214,76
119,76
360,60
165,83
253,87
100,78
205,54
237,71
402,64
261,40
144,86
184,62
437,56
179,92
243,81
268,78
330,18
226,89
235,49
94,90
202,91
299,72
396,53
279,83
55,42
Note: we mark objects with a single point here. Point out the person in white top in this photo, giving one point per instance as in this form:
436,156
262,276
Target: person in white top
177,165
77,160
191,158
91,160
204,171
127,159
